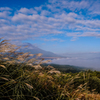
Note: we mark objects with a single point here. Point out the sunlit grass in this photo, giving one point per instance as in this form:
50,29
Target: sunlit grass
22,78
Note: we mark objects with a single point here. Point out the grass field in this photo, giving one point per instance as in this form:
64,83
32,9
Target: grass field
22,78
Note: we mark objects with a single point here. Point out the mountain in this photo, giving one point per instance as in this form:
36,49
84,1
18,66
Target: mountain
34,50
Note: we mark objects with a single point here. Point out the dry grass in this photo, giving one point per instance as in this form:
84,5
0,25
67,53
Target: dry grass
22,78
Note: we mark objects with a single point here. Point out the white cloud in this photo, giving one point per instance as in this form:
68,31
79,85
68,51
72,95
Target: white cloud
45,12
27,11
5,8
76,35
90,7
68,4
95,8
5,14
53,39
38,8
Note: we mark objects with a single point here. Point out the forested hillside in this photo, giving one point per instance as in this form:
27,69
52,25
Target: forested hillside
67,68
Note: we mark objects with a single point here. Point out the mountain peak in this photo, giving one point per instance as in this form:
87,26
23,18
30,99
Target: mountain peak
27,44
34,50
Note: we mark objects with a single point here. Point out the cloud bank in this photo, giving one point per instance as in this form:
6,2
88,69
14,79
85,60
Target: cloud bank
88,60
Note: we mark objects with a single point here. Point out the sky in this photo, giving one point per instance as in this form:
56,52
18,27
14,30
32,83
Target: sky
59,26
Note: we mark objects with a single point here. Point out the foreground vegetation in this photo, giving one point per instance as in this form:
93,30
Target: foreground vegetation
22,78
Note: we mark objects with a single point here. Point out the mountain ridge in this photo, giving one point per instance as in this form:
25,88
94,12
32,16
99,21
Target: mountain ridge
34,50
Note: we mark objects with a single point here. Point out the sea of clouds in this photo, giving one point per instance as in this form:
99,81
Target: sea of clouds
88,60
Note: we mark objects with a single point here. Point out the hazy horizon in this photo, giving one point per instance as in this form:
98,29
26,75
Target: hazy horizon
86,60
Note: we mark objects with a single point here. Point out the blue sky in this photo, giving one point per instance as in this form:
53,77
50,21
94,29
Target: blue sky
59,26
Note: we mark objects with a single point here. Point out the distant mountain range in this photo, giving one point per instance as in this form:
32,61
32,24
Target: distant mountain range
34,50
